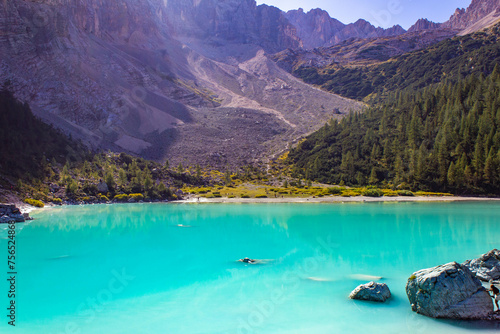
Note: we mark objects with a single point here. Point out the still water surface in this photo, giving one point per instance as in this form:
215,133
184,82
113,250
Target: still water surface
172,268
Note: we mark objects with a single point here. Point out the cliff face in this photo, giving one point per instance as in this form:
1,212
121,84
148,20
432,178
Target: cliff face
317,29
235,21
478,9
424,24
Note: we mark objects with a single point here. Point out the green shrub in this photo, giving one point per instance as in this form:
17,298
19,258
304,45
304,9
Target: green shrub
405,193
349,193
390,193
428,193
102,197
34,202
261,196
335,190
373,193
57,201
121,198
244,196
137,197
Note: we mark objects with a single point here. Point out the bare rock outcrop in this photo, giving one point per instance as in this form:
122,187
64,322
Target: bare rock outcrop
449,291
10,213
317,29
424,24
486,267
375,292
477,11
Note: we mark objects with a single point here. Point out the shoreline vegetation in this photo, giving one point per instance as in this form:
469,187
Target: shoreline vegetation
191,199
337,199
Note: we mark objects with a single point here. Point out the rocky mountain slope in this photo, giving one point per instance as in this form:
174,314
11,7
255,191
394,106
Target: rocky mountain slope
477,12
360,52
185,81
424,24
317,29
384,44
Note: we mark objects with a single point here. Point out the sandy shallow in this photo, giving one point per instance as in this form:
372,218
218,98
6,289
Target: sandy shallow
337,199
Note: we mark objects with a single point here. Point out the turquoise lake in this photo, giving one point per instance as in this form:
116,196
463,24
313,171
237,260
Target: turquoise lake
172,268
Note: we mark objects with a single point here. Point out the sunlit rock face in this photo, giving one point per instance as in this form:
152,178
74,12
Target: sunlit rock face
317,29
478,9
235,21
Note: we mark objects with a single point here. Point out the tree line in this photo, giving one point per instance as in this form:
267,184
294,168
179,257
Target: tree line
444,137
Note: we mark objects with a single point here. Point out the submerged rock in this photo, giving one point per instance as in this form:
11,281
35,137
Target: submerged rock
486,267
375,292
448,291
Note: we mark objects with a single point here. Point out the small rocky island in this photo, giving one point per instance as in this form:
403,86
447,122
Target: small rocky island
375,292
455,291
9,212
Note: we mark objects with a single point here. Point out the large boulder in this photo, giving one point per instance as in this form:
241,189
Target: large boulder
448,291
486,267
375,292
102,187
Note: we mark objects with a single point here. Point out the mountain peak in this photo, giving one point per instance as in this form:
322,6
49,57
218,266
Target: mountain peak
316,28
477,11
424,24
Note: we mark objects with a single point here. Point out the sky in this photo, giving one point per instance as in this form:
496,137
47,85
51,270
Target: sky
381,13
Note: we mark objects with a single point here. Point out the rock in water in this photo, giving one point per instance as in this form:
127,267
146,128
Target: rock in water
9,212
486,267
375,292
448,291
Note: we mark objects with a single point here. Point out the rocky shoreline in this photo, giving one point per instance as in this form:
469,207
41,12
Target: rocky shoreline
11,213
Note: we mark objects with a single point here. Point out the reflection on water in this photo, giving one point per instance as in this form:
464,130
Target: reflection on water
184,263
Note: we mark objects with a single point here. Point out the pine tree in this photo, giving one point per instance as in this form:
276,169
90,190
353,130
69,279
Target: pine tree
490,168
122,177
180,168
198,172
373,177
452,175
110,180
478,158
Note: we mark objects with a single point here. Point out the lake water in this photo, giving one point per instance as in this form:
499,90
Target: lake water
133,269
